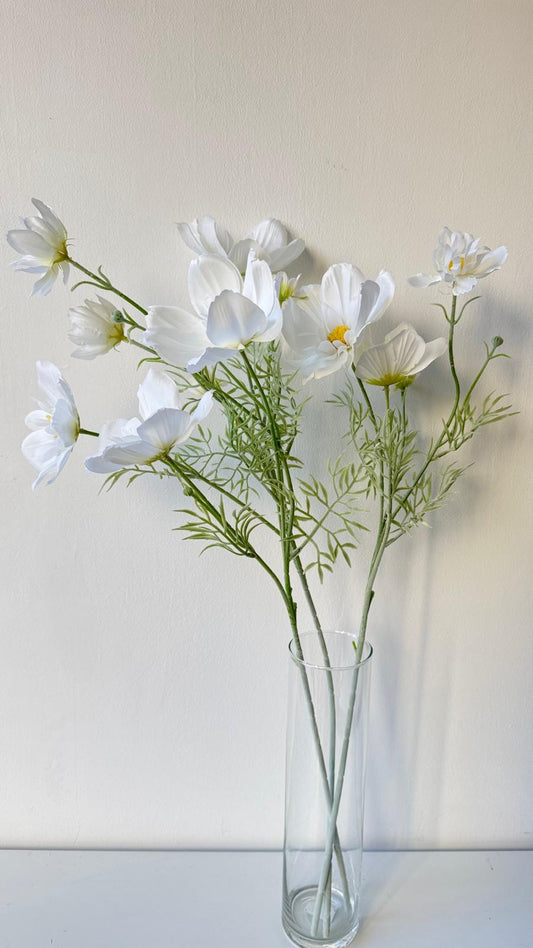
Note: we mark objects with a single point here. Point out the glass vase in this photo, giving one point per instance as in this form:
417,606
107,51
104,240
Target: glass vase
329,685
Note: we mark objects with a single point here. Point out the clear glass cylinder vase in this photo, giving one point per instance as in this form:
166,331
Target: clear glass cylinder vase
329,686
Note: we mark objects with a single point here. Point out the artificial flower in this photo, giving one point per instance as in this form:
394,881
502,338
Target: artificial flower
229,313
55,425
401,356
322,328
269,240
460,261
130,442
97,327
44,248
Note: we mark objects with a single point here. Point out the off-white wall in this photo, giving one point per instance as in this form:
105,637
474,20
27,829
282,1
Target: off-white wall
142,691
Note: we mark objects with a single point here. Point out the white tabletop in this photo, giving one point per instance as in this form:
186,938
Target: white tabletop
80,899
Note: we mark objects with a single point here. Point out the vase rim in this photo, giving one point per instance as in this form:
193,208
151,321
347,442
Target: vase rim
367,648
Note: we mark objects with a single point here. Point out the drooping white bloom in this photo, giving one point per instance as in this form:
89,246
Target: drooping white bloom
44,248
229,313
460,261
96,328
322,329
131,442
55,425
401,356
269,241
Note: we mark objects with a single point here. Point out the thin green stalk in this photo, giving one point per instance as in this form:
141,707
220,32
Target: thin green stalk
438,444
86,431
288,546
332,714
377,556
104,284
376,429
192,473
140,345
334,812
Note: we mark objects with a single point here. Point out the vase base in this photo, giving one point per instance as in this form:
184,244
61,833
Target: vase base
298,917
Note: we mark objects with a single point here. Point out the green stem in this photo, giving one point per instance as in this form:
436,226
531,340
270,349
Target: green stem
192,473
489,358
140,345
86,431
440,440
106,285
376,429
377,556
287,500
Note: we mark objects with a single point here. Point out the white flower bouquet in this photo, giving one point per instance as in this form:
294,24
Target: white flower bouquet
251,345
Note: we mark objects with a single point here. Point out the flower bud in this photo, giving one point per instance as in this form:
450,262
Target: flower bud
117,317
497,342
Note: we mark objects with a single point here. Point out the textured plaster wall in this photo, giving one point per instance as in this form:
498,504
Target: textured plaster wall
142,689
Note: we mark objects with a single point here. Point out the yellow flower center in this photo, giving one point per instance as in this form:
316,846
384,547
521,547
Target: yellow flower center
461,264
337,334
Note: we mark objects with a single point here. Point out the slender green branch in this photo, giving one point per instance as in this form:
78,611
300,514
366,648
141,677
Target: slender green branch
140,345
194,474
105,284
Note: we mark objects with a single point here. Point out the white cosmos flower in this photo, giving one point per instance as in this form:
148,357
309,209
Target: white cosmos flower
322,329
401,356
229,313
130,442
460,261
44,248
55,425
95,328
269,240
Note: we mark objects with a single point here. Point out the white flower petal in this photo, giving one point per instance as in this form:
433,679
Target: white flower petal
48,379
461,260
423,280
302,320
341,295
279,259
121,455
401,355
385,282
211,356
463,285
204,235
157,390
491,261
434,349
165,428
259,284
43,245
46,453
208,276
241,251
38,419
64,423
32,244
43,286
270,234
93,328
234,320
176,335
51,219
203,408
274,324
